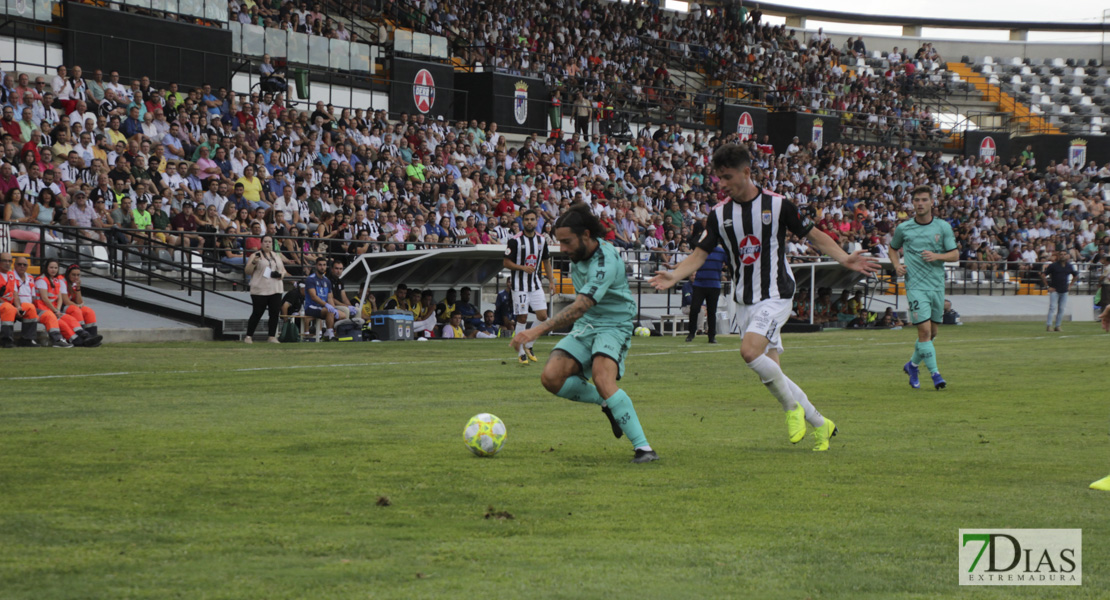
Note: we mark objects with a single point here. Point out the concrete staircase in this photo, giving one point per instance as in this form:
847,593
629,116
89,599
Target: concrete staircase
994,99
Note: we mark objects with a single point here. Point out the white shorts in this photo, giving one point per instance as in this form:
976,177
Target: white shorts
764,318
526,302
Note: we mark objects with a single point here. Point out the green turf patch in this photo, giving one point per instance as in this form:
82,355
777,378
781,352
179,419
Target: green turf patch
221,470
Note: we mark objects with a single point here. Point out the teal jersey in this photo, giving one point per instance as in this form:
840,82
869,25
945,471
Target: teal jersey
602,278
914,238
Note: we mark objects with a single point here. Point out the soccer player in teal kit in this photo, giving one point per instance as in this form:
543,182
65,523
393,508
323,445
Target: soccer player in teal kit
926,243
602,313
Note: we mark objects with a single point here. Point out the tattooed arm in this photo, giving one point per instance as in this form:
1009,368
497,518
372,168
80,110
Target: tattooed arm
566,317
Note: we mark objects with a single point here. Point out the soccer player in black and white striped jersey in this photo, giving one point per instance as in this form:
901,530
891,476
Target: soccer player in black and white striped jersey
752,226
524,255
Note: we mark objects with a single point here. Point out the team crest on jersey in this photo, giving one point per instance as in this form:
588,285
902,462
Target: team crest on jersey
531,260
766,217
936,238
750,249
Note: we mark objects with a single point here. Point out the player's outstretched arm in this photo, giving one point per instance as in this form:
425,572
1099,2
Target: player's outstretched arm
1105,318
565,317
666,279
855,261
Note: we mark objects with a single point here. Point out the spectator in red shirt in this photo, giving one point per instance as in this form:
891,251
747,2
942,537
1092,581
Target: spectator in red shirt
8,181
505,206
610,228
186,223
245,116
10,125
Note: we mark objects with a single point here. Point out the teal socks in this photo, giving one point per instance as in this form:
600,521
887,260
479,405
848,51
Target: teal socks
579,390
924,352
621,407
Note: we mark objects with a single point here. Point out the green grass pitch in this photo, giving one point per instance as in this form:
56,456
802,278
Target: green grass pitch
221,470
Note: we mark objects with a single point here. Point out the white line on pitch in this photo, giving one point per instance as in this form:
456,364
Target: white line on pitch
470,360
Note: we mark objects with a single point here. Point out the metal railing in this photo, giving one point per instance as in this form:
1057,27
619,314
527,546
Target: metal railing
143,258
153,262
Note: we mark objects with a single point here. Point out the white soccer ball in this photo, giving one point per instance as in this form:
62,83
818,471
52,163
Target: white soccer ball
484,434
642,332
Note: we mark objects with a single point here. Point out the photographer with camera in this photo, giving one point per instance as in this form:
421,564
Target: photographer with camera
266,271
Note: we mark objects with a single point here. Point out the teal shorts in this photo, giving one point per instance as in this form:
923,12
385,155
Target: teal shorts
925,305
583,343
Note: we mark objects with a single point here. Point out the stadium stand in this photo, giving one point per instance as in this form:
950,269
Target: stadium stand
1069,96
193,176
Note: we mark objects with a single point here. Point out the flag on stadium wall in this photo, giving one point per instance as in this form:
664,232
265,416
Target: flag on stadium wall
818,137
520,102
988,150
1077,153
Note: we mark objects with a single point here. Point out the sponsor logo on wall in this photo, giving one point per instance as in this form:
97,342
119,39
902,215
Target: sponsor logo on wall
988,150
745,126
424,90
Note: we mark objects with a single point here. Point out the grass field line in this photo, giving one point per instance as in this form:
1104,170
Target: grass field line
856,342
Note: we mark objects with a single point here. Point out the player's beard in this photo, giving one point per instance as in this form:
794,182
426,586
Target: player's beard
529,230
580,253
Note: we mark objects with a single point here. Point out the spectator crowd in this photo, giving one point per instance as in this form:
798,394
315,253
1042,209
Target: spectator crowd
212,170
629,66
140,165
